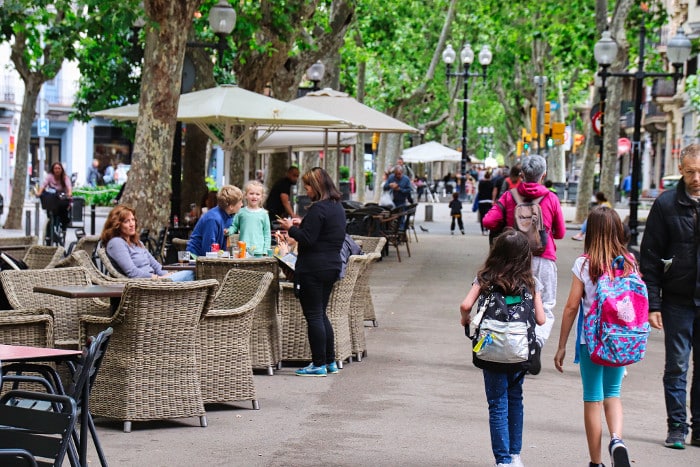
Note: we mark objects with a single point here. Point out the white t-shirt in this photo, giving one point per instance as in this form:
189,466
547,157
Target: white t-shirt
580,270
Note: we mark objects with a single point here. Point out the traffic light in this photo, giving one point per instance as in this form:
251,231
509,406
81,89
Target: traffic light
578,141
519,149
375,141
558,131
533,122
524,143
545,136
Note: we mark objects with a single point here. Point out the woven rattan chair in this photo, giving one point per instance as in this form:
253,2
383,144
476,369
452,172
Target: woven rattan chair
43,257
82,259
295,340
360,301
19,285
87,243
27,327
226,370
265,336
15,243
151,371
107,264
362,297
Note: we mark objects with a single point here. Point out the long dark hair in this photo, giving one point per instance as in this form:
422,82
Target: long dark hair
509,264
321,184
61,178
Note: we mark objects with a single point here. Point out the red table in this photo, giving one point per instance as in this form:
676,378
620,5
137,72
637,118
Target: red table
23,353
26,354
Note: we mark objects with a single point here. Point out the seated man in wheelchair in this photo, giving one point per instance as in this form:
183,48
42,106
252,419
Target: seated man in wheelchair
55,194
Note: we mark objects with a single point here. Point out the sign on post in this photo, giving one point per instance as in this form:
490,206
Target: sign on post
43,127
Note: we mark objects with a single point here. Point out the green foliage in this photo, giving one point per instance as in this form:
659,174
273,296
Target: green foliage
211,184
98,195
369,176
344,171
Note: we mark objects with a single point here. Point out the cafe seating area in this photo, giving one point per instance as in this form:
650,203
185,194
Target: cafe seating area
178,346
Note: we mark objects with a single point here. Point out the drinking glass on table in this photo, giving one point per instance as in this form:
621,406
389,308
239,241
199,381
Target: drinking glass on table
183,257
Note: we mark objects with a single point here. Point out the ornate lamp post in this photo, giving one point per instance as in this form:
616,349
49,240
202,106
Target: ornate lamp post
677,50
467,57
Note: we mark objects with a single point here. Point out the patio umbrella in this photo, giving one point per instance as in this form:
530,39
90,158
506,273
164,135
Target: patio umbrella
361,117
218,111
431,152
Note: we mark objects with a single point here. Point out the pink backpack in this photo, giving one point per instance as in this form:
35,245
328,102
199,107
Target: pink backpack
616,327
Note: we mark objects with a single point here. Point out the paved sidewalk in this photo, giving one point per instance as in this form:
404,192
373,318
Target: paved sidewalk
416,399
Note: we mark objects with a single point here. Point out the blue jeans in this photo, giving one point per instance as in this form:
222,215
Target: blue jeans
182,276
681,334
505,398
314,291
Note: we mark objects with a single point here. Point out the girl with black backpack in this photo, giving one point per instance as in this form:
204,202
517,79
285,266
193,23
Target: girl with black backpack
506,293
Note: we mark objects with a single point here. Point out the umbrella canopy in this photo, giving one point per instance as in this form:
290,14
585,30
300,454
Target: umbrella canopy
347,109
224,107
305,140
431,152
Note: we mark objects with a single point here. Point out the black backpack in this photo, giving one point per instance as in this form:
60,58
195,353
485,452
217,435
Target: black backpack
503,331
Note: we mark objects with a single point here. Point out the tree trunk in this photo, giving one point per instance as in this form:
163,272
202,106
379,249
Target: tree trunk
149,178
19,181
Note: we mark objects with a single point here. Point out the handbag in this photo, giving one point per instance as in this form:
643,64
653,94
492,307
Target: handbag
386,199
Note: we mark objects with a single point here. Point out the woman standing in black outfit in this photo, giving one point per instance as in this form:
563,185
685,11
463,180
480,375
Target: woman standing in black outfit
485,191
319,238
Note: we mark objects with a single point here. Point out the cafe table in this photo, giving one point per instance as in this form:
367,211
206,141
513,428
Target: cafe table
28,354
113,292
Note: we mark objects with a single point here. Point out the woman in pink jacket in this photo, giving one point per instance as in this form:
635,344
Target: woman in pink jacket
534,169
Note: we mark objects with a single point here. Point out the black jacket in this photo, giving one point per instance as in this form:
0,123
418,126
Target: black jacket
669,251
320,236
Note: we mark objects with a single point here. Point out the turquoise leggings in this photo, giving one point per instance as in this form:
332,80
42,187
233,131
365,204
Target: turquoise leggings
599,382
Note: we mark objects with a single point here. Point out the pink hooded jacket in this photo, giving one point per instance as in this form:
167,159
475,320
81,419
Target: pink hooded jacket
552,215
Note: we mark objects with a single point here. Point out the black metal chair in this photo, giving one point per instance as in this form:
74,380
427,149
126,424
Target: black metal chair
44,434
83,372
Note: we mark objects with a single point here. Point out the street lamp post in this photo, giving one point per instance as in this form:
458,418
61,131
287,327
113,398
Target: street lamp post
678,50
467,57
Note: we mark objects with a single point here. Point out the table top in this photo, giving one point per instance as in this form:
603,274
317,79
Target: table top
82,291
23,353
191,266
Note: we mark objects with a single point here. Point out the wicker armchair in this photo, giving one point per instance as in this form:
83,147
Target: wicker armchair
265,336
15,244
87,243
27,327
362,297
226,371
19,285
359,303
43,257
151,371
295,340
83,259
107,264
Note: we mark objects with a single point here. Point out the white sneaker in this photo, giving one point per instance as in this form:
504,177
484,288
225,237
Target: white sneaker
515,461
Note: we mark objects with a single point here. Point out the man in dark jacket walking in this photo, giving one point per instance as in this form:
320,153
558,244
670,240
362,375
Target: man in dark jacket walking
669,263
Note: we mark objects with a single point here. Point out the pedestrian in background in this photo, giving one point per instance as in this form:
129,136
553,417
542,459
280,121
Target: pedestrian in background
670,261
602,385
456,213
279,202
507,268
319,238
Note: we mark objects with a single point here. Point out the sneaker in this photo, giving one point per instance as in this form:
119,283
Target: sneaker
676,437
515,460
332,368
462,232
577,237
618,453
452,232
312,370
695,438
536,362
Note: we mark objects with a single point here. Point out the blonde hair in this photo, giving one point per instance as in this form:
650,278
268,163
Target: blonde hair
256,184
